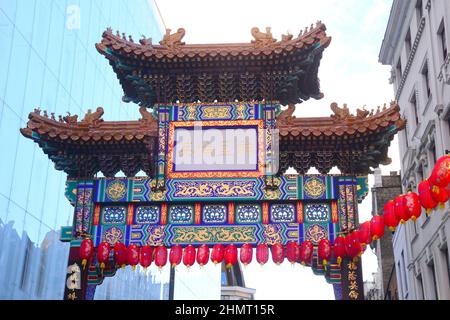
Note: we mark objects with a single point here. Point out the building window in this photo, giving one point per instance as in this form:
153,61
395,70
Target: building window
405,282
442,40
420,292
426,79
432,151
419,11
408,42
447,262
448,122
406,136
399,69
413,101
413,228
434,280
419,173
400,279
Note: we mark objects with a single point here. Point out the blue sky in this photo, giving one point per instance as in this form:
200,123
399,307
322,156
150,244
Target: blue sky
349,73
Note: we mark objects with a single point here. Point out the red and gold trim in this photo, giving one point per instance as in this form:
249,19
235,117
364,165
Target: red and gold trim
97,210
299,212
164,213
231,212
334,212
130,213
265,213
197,213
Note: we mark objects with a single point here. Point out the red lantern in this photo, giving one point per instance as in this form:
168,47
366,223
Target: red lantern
230,255
246,253
145,256
352,245
377,227
86,250
390,218
339,250
189,256
217,253
441,195
160,256
202,255
364,233
262,253
292,251
426,199
103,254
133,255
324,251
412,205
120,254
440,176
306,252
176,253
277,253
400,210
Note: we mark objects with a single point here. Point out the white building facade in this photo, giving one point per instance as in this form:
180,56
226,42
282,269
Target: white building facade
416,45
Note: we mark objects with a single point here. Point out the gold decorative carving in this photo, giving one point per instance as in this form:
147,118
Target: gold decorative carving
216,112
215,189
173,40
286,37
147,116
93,118
286,116
271,235
343,114
314,188
70,119
116,190
262,39
214,234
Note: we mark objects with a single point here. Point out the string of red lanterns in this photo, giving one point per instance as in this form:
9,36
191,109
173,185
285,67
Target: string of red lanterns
432,192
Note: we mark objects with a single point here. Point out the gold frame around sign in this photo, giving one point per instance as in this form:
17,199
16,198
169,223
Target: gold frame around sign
216,174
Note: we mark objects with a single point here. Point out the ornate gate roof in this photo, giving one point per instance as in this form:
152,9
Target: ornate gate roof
83,148
172,71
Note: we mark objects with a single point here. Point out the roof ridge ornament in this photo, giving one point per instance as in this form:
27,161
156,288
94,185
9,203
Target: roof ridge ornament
173,41
93,118
343,114
286,116
262,39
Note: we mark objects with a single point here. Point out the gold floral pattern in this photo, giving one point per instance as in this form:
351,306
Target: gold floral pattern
216,112
113,235
315,233
208,189
271,234
314,188
219,234
116,190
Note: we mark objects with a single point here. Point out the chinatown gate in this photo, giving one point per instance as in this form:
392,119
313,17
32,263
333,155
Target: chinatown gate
217,90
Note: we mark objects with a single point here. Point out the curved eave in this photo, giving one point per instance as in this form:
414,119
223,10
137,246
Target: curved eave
186,52
135,63
334,128
83,150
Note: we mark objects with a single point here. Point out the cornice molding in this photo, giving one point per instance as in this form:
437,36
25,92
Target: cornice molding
412,54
